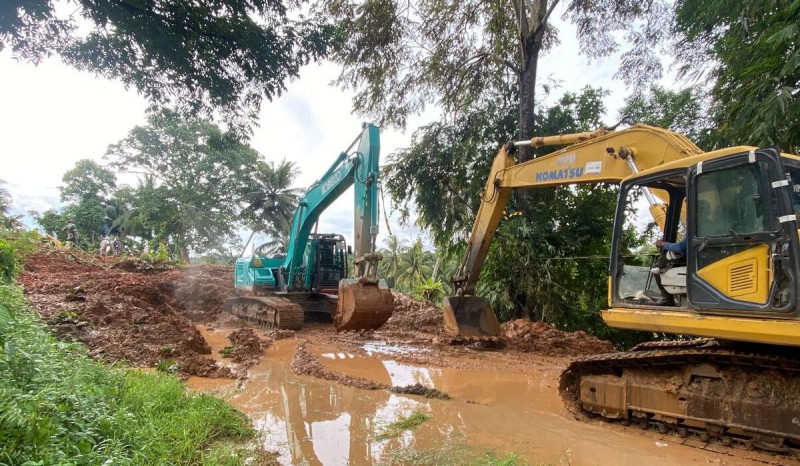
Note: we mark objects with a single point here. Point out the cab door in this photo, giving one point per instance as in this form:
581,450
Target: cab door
742,235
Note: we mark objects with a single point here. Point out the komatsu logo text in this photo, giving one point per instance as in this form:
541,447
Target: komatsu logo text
563,174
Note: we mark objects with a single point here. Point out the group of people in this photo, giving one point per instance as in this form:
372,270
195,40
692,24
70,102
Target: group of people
108,246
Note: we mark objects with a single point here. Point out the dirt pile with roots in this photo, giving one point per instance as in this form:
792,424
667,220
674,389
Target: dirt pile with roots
127,310
246,347
537,337
412,316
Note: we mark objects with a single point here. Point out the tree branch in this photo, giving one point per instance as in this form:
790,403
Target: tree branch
543,23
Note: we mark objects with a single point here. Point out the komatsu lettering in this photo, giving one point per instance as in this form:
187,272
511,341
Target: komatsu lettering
563,174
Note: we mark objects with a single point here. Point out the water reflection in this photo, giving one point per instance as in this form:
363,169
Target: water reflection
316,422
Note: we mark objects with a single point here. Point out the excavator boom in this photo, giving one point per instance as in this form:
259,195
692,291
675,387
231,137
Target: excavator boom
592,157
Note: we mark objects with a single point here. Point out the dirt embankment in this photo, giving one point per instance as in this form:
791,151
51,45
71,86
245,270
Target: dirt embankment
422,322
127,310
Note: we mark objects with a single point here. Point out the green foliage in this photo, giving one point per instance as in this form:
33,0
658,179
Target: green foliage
401,56
8,262
681,111
549,258
430,290
87,179
748,50
7,221
441,176
195,176
52,222
271,201
454,452
208,56
14,246
59,407
410,422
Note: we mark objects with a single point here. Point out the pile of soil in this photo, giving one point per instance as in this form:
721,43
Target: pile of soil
421,390
305,363
537,337
248,348
122,310
412,315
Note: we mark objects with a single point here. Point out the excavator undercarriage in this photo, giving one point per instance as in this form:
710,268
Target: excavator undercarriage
733,394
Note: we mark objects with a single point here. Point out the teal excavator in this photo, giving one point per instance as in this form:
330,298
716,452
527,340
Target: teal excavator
310,279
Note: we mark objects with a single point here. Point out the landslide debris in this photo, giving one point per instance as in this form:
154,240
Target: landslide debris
123,310
412,315
421,390
305,363
413,318
246,347
537,337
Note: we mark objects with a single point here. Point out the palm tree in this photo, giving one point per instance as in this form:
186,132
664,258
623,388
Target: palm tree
415,266
391,256
271,202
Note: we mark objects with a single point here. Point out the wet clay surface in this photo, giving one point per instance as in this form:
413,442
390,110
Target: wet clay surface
299,389
125,309
499,403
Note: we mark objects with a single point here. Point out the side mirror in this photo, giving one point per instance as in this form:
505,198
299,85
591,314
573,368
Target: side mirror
349,250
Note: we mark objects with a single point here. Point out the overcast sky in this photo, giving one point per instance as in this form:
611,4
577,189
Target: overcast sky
53,115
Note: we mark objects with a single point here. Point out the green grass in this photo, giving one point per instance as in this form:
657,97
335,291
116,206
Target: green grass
455,454
403,424
57,406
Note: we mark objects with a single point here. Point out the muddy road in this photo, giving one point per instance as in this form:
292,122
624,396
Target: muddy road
321,397
499,404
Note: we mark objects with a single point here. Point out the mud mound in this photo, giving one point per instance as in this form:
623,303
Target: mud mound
422,390
246,348
305,363
411,315
142,316
536,337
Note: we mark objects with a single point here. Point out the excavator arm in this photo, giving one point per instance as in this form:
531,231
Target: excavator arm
592,157
359,168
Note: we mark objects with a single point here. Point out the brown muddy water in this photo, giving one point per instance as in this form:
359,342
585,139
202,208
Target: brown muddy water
317,422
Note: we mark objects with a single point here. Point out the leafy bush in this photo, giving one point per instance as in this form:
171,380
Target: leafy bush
8,262
57,406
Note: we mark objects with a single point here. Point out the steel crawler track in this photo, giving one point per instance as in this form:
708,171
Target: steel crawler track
267,311
741,396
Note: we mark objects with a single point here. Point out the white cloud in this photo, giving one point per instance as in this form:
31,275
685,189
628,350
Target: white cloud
52,115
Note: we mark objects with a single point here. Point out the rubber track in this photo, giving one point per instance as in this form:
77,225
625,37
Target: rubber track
676,354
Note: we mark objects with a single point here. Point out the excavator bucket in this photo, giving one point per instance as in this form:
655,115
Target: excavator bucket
363,304
469,316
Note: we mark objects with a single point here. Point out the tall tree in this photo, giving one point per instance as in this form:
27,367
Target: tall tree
271,201
87,179
749,51
401,56
198,174
439,178
199,56
684,111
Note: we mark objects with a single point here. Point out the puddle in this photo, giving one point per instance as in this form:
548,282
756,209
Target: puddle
315,422
381,347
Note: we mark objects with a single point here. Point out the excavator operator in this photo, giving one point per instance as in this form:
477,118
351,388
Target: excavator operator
670,255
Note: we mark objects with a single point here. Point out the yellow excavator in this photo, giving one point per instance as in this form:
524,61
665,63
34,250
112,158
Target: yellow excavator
734,282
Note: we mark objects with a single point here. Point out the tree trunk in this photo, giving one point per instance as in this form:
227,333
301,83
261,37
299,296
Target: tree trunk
531,33
527,102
